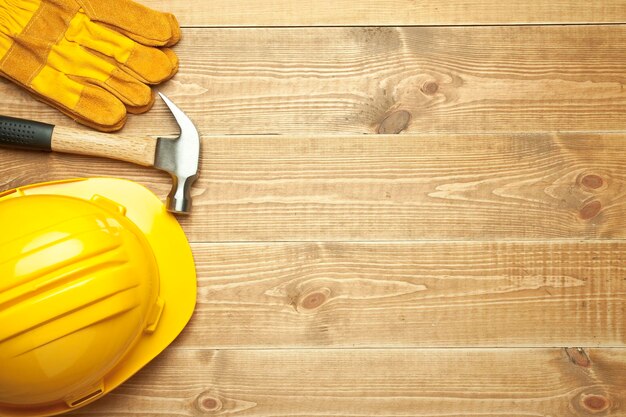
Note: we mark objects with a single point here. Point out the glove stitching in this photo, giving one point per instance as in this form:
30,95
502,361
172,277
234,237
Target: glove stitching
89,11
129,59
49,46
105,86
48,50
128,70
13,47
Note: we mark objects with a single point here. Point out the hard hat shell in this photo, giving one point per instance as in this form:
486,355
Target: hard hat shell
96,279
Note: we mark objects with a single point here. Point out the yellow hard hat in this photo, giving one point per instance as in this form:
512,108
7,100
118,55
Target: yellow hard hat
96,279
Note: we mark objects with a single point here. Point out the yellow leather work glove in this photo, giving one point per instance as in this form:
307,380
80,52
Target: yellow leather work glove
91,59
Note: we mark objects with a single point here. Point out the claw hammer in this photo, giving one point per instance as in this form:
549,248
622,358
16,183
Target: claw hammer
177,156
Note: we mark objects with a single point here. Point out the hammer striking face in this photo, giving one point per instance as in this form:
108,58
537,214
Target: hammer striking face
178,156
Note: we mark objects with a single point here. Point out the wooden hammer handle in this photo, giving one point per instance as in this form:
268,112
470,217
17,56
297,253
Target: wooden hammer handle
29,134
138,150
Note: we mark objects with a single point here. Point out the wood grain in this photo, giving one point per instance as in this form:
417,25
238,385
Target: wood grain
383,187
439,255
388,80
371,382
135,149
503,294
383,12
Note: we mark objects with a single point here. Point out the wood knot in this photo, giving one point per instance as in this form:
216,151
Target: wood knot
595,403
314,300
592,181
578,356
208,403
395,123
590,210
430,88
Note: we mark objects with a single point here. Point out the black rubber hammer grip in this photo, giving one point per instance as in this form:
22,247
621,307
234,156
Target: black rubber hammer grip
25,134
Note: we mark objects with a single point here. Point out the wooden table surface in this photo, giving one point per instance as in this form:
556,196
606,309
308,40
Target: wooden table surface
408,208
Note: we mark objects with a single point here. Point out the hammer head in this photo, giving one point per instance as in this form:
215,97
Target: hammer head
179,157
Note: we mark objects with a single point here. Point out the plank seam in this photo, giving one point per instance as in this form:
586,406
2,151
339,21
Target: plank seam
519,24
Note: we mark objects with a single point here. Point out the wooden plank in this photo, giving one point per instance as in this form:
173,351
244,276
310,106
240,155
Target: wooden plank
358,382
368,80
382,12
383,187
503,294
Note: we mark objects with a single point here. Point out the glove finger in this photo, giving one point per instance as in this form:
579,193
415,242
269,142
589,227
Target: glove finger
152,65
88,104
78,63
138,22
136,96
147,64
